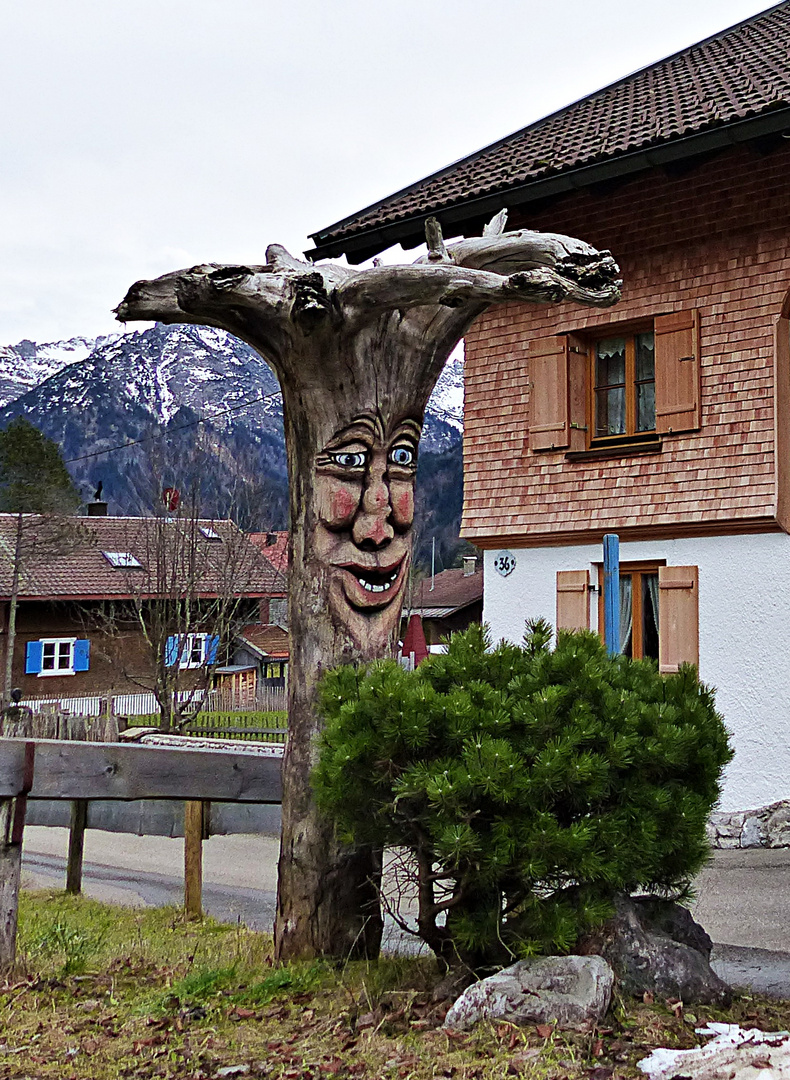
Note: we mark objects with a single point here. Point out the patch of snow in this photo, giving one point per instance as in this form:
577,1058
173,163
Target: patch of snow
28,364
447,400
735,1053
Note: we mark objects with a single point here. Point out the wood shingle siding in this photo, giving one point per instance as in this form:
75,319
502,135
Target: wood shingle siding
714,241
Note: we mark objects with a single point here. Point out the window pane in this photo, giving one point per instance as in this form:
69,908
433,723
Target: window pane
646,407
610,362
626,615
196,651
48,657
645,357
610,412
650,615
64,655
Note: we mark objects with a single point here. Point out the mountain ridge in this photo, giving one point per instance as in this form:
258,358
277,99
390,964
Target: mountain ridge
182,405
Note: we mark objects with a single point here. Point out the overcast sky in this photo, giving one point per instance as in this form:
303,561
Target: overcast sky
141,136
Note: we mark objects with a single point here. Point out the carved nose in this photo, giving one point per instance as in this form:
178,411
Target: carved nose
372,528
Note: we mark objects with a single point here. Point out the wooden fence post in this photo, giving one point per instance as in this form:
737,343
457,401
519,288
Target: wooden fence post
10,872
79,818
195,820
12,827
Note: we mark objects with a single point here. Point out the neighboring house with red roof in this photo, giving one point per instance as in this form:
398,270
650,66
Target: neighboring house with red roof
77,625
665,419
274,547
267,647
448,602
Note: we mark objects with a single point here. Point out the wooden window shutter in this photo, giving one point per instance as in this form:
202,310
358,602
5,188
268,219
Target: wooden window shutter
677,372
34,653
557,368
573,600
678,617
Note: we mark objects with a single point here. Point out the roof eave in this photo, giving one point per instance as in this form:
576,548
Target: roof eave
410,231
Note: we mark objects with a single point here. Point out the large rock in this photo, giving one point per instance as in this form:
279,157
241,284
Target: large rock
656,947
573,991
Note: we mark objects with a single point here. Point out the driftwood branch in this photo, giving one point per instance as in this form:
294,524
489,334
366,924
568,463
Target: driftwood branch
437,252
496,225
259,302
388,287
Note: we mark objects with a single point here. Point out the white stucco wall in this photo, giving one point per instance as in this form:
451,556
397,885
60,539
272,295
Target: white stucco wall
744,619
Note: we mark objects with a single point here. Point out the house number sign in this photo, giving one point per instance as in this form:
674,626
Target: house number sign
505,563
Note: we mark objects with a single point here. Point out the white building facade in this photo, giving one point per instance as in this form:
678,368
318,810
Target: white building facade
743,627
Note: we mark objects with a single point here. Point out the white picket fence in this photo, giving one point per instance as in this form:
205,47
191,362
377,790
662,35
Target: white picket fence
267,699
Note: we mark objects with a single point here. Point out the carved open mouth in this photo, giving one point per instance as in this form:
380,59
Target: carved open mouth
375,581
372,586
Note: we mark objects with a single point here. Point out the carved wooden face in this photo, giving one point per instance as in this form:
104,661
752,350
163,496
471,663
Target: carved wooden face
365,510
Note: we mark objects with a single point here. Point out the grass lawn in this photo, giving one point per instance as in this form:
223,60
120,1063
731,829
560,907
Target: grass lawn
103,991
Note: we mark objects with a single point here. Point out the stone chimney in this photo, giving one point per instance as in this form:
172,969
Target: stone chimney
470,565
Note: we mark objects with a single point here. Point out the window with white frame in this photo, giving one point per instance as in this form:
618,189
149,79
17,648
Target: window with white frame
57,656
191,650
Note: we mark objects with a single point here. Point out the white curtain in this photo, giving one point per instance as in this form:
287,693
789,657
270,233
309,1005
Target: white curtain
652,588
626,611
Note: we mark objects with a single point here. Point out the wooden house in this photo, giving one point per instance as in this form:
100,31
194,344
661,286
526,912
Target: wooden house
665,419
78,630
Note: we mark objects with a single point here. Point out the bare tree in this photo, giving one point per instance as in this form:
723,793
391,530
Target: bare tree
188,582
37,490
357,353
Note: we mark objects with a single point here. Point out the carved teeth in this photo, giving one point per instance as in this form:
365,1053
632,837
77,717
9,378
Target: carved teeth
368,586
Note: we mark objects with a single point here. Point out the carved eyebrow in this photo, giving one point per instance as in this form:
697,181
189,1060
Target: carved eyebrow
408,429
364,427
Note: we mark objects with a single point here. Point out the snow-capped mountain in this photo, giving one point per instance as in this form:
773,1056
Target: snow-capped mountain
167,368
128,390
447,399
27,364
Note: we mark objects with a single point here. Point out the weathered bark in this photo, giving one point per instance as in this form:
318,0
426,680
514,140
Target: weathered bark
358,353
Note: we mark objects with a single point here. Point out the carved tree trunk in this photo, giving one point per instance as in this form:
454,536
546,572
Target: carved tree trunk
357,354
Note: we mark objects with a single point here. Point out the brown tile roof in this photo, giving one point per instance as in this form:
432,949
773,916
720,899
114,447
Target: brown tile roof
268,638
79,569
742,72
452,589
276,552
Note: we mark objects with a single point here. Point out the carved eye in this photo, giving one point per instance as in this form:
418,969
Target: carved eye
401,455
349,459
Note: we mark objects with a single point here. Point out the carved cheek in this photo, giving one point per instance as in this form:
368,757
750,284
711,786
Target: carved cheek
337,501
402,495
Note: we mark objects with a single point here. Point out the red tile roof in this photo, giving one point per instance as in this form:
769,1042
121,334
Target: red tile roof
268,638
742,72
274,546
81,570
452,589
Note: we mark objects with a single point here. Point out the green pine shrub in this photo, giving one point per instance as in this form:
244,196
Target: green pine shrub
529,784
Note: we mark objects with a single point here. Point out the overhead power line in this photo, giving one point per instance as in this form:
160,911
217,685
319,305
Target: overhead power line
205,420
171,431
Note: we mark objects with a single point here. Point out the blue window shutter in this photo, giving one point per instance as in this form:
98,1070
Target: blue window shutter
212,642
33,655
82,654
171,650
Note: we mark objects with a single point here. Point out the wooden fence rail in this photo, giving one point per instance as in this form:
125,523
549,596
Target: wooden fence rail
54,769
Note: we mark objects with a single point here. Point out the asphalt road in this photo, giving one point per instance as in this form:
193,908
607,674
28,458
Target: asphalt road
742,899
